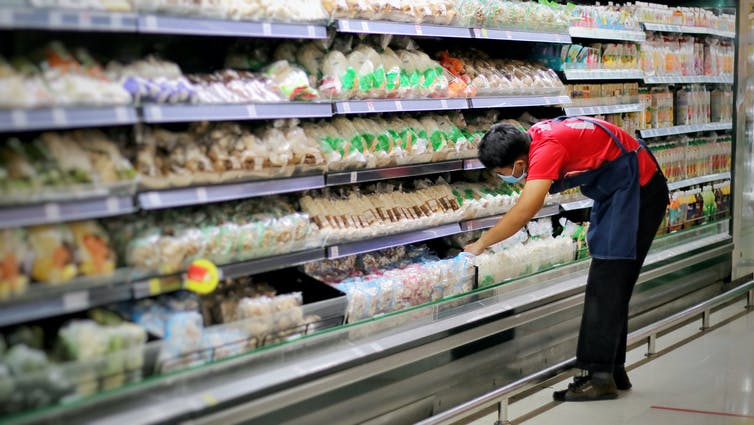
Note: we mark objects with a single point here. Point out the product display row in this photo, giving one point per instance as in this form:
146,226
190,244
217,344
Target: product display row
684,157
685,105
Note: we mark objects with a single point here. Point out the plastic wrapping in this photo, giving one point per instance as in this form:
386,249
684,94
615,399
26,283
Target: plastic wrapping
13,253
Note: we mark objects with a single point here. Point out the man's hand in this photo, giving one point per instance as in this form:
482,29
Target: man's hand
475,248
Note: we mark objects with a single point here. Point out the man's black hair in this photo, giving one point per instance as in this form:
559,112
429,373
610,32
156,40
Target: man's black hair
503,145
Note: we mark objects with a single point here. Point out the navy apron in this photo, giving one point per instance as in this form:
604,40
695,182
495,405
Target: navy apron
614,187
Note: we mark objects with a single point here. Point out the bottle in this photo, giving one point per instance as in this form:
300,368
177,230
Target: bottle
710,208
676,212
682,114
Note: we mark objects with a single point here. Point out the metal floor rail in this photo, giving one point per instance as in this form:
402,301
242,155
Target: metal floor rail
649,333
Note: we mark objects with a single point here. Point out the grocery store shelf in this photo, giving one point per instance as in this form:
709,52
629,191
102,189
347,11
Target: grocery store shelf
517,101
66,117
55,212
603,109
603,74
687,29
521,35
154,114
66,20
577,205
473,164
698,180
402,105
159,24
44,300
359,26
688,79
683,129
487,222
382,242
276,262
360,176
607,34
178,197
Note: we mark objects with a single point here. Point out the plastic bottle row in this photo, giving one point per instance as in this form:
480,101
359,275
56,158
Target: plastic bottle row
697,206
685,105
685,158
257,73
671,55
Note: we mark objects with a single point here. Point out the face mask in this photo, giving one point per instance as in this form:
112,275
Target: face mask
511,179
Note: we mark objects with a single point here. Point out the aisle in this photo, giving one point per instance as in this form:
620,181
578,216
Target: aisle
709,381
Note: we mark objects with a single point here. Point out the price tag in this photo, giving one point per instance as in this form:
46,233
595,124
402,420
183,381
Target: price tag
58,117
54,19
112,204
370,106
52,211
251,111
19,119
266,29
121,114
201,194
345,25
150,22
116,21
484,33
6,16
508,35
209,399
202,277
334,252
155,286
398,105
346,107
75,301
354,176
365,26
419,30
154,113
311,31
444,103
153,199
85,20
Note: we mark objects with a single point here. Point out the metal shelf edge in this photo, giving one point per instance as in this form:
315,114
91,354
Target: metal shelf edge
164,113
165,24
266,264
55,212
399,105
603,74
517,101
607,34
684,129
359,247
409,170
521,35
71,19
603,109
361,26
66,117
698,180
196,195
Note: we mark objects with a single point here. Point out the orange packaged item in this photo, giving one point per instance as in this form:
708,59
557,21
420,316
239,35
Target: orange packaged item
52,248
96,258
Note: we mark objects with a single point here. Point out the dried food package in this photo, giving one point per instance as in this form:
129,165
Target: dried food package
53,253
13,254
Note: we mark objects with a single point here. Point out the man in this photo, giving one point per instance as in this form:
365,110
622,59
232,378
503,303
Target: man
630,197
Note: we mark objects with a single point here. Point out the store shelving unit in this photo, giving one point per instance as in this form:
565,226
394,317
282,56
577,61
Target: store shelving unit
127,285
66,20
161,24
197,195
685,129
687,29
603,74
603,109
607,34
688,79
157,114
66,117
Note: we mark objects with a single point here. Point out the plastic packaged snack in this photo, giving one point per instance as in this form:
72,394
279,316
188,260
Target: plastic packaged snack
52,247
13,254
95,257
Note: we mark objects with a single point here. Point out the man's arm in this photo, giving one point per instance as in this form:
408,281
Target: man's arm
529,203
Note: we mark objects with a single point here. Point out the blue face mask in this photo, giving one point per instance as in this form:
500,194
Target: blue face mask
511,179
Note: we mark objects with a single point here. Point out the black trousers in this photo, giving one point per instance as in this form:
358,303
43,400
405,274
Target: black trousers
609,286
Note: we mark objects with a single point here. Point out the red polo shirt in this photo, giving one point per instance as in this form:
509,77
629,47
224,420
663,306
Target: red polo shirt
571,145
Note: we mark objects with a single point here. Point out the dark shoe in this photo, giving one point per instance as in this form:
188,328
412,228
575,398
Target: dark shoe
621,379
589,388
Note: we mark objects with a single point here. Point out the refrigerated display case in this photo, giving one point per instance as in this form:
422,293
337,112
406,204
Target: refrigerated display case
743,227
344,298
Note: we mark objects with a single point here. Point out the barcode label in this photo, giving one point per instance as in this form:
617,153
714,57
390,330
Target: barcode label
58,117
112,204
19,119
251,111
354,176
365,26
266,29
52,212
201,194
311,31
85,20
153,199
334,253
150,22
398,105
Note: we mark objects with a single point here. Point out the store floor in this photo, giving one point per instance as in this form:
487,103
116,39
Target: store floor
706,381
